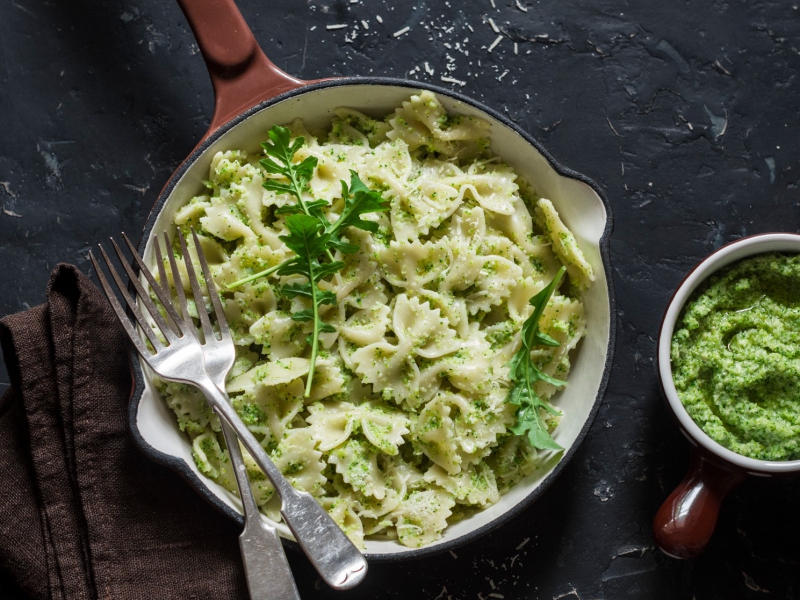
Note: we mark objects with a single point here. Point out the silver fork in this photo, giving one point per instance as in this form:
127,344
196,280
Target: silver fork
265,565
333,555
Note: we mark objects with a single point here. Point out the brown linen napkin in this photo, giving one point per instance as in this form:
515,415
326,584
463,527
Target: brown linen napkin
83,514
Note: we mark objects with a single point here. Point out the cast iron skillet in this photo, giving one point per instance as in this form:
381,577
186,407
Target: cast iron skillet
251,95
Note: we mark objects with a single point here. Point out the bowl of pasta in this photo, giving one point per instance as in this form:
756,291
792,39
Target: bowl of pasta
441,355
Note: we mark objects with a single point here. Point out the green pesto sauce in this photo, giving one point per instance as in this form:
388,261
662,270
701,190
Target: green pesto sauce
736,357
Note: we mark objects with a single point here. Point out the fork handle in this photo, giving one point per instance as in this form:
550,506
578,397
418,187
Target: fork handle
331,552
265,565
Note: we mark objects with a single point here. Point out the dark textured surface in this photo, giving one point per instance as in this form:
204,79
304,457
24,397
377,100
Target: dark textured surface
685,114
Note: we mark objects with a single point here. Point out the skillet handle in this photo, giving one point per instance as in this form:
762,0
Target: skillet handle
241,73
683,525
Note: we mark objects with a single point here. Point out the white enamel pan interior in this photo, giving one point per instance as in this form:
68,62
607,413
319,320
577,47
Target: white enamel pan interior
577,201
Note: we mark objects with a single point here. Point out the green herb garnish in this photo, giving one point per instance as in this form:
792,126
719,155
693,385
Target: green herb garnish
311,236
526,374
306,241
298,175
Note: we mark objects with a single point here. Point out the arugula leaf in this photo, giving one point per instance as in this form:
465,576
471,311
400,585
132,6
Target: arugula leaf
358,200
525,374
283,149
311,235
308,242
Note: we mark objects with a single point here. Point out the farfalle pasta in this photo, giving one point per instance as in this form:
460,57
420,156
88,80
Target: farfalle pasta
406,427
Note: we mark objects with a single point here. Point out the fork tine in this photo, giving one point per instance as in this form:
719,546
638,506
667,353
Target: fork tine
115,304
176,277
212,288
162,274
198,295
145,297
161,292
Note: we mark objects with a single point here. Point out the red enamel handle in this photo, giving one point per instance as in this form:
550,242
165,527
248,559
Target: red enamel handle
685,522
241,73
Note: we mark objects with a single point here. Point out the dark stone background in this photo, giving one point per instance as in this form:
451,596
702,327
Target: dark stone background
684,112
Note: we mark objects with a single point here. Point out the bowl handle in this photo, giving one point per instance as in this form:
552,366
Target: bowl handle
685,522
241,73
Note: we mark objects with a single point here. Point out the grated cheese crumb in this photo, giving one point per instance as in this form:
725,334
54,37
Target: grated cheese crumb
494,27
379,18
365,25
525,541
516,47
452,80
494,43
401,31
332,27
519,6
428,69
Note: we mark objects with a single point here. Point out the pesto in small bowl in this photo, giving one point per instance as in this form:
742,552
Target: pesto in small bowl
735,357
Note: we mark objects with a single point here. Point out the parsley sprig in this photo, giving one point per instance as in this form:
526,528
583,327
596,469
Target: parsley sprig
525,374
312,238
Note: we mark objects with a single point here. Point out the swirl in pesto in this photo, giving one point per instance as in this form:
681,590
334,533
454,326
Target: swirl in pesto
736,357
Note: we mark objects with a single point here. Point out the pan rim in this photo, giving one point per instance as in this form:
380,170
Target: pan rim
183,469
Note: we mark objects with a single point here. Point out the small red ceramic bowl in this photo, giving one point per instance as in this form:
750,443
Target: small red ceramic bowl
685,522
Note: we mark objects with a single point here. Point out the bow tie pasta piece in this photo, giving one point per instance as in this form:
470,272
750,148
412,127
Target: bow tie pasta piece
418,325
369,295
328,381
412,265
474,485
564,321
297,459
424,123
425,206
279,336
389,165
423,516
270,373
564,244
190,214
492,186
468,224
467,369
454,430
208,455
194,413
384,427
453,308
513,460
358,267
426,201
391,369
236,202
353,127
246,260
366,326
342,512
333,167
270,410
357,462
494,283
331,423
434,434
